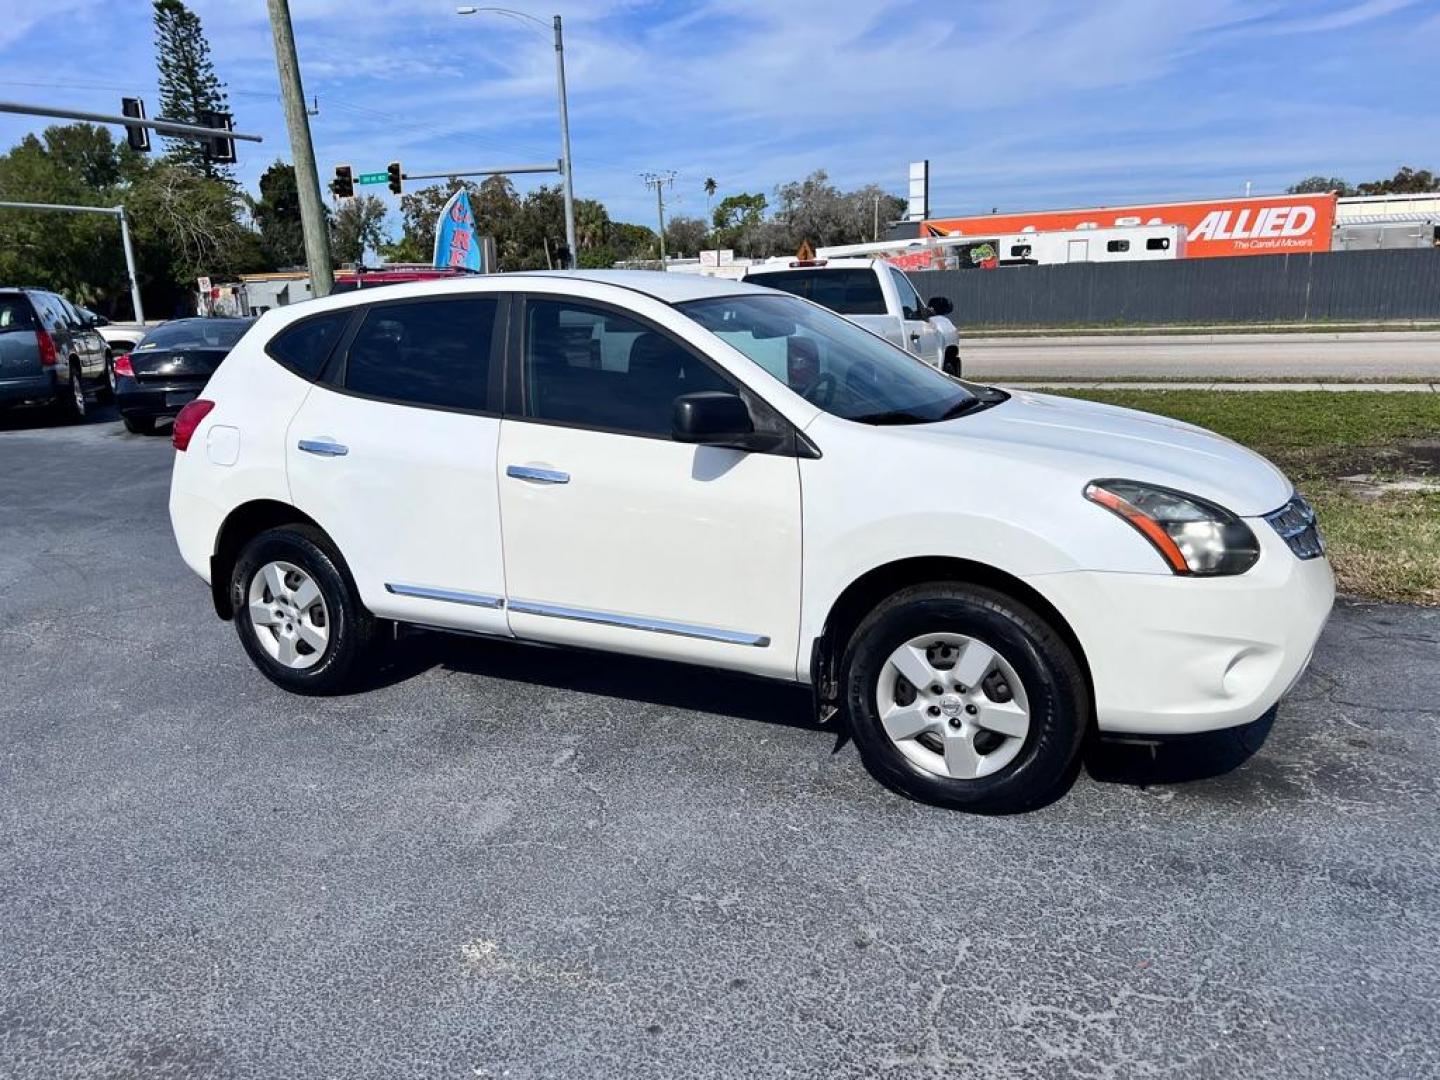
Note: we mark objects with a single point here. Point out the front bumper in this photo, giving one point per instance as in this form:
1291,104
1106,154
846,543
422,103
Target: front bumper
1175,655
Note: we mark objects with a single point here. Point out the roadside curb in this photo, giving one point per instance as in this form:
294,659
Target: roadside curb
1243,387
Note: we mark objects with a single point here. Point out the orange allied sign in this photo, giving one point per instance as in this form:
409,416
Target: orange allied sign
1265,225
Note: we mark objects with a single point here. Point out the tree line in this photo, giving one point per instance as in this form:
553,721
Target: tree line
1406,181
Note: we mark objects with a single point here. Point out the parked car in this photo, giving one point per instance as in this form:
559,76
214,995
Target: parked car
120,338
49,352
169,366
703,470
873,294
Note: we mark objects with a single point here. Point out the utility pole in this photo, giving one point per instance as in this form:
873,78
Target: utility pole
875,236
307,180
565,147
659,181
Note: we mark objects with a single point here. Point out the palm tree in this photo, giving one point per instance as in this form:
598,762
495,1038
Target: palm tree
710,186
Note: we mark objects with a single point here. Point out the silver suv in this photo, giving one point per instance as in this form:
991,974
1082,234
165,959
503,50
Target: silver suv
49,352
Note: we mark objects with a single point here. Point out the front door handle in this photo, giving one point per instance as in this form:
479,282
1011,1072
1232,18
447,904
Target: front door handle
324,447
540,476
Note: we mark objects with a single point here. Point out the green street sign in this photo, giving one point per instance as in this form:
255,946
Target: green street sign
372,178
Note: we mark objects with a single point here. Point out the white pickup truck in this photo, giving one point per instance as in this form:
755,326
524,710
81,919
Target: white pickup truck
873,294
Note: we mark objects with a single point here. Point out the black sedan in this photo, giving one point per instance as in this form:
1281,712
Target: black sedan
170,366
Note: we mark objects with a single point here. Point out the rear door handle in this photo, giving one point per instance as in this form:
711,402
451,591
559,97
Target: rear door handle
324,447
540,476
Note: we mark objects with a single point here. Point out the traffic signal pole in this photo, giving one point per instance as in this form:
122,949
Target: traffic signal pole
302,150
113,211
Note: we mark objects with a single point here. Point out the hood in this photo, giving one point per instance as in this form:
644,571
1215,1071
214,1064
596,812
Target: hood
1097,441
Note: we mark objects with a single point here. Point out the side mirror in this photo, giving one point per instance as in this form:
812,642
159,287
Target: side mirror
712,418
939,305
99,320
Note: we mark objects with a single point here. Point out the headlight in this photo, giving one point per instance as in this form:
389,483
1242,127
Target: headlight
1192,535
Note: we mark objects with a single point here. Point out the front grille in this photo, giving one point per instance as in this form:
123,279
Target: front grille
1296,524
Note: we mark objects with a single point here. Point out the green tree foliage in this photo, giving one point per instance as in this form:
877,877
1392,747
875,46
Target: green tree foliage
358,224
183,225
1406,181
188,83
1320,185
685,236
277,216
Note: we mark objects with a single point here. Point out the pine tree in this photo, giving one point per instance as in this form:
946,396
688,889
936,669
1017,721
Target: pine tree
188,83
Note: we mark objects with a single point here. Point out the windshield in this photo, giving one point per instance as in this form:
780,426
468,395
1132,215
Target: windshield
846,291
196,334
830,362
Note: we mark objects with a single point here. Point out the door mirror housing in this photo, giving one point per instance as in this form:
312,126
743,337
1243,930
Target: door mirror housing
939,305
713,418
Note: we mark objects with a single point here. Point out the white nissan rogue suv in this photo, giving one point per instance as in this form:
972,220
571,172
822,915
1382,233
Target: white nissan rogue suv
717,473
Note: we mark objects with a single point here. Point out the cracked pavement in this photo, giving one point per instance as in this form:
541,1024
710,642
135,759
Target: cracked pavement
525,863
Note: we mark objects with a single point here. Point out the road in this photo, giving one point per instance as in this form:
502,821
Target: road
525,863
1360,355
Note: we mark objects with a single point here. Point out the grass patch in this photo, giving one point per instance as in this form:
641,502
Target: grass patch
1384,545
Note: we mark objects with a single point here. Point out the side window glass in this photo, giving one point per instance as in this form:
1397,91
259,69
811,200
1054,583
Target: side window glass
599,369
15,313
431,352
303,347
909,298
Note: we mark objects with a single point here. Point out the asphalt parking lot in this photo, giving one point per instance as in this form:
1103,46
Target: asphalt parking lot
512,862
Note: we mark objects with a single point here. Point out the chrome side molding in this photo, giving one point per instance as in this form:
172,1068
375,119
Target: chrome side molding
633,622
450,596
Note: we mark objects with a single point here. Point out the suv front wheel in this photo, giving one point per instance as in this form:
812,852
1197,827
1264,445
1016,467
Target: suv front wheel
962,697
297,614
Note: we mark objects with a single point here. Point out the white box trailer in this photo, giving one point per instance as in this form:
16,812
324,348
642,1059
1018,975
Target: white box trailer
1124,243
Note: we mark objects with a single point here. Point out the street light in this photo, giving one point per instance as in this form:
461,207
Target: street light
568,174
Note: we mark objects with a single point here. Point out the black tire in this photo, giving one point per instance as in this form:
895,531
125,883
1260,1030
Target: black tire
73,404
1059,704
108,392
351,626
138,425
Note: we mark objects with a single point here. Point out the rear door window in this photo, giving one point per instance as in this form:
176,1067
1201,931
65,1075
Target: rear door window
848,291
432,353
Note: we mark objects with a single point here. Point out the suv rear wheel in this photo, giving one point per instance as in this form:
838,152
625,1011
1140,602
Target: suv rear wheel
962,697
297,614
74,403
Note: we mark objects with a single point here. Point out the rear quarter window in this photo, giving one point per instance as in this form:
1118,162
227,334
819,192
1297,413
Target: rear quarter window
305,346
15,313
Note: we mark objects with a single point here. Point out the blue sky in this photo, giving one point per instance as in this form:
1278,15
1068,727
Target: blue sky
1017,103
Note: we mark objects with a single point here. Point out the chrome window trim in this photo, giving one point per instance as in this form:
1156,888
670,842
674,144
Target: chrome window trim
633,622
450,596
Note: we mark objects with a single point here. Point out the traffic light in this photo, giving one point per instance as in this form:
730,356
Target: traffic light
138,137
343,186
218,148
396,177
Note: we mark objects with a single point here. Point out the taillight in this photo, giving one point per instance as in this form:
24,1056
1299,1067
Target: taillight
123,366
187,421
48,356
